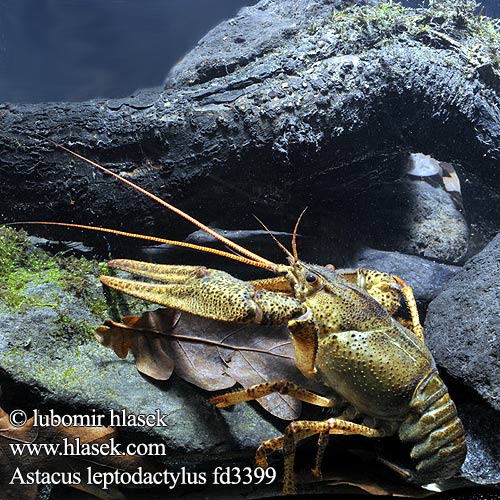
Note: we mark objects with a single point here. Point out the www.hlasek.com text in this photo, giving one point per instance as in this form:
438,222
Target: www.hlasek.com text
76,448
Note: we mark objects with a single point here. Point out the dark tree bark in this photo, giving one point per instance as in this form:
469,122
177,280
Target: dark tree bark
301,114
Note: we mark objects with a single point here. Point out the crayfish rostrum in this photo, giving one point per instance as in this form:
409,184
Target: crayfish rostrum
346,334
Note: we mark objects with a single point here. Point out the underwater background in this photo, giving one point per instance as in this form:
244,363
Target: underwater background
73,50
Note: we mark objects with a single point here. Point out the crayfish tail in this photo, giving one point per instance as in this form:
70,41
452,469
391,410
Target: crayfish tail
434,431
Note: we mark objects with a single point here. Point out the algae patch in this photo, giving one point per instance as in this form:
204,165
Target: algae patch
33,279
23,265
455,25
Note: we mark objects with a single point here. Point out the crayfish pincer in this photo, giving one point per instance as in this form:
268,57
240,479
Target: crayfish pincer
346,333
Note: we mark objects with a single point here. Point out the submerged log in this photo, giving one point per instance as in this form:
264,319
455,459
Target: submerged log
289,104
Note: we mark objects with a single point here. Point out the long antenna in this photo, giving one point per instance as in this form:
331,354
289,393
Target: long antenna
283,247
294,237
178,211
185,244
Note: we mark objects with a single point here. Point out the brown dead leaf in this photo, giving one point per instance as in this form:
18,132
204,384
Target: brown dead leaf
164,340
384,484
378,488
7,468
249,368
213,355
246,354
46,462
200,363
137,335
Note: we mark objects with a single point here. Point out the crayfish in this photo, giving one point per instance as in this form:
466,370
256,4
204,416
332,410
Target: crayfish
345,333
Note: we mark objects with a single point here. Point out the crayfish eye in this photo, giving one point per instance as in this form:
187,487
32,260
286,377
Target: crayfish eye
311,278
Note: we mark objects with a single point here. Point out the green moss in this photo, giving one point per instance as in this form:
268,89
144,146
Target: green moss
70,374
70,327
369,25
56,376
22,264
78,276
451,24
14,352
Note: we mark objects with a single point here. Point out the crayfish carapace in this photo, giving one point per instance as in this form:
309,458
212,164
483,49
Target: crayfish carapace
345,334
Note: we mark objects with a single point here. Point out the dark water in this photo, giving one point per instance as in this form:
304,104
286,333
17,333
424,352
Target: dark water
58,50
73,50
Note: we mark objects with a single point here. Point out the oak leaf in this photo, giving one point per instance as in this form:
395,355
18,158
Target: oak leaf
142,337
213,355
252,367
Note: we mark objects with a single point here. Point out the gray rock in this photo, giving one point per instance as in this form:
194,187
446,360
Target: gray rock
434,227
463,327
235,43
482,464
426,277
80,374
420,165
436,173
